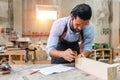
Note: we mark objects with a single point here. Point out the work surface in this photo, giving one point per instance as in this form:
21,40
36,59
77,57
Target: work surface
22,72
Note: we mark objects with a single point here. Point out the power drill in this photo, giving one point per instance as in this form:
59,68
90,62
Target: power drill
5,68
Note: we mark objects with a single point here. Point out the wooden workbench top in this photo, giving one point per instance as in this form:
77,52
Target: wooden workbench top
22,72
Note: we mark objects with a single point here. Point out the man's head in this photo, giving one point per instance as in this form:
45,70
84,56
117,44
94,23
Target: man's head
80,16
83,11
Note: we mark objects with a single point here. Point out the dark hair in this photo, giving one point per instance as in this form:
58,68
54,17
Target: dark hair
83,11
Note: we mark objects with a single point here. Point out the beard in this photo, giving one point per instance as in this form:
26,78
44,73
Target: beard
73,29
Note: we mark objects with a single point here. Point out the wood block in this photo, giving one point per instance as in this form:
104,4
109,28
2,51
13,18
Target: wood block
99,69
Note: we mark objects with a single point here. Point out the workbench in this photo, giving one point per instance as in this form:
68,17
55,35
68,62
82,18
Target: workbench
18,57
22,72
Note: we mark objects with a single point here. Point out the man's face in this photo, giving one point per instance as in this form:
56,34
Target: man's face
78,24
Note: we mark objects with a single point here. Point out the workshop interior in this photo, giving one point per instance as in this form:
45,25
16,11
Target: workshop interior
25,27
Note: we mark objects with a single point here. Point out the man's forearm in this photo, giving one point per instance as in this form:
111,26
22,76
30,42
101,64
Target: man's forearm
55,53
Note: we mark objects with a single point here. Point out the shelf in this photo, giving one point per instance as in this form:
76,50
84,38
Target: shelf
104,49
35,35
102,54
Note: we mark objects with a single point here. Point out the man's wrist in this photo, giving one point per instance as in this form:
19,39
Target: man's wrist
83,55
61,54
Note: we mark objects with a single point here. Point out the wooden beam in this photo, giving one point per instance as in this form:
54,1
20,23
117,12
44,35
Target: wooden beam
99,69
115,27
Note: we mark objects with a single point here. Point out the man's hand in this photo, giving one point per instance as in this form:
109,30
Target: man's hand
68,55
81,56
84,53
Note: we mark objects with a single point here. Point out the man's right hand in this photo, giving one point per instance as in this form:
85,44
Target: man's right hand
68,55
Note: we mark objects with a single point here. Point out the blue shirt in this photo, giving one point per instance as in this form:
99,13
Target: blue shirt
58,28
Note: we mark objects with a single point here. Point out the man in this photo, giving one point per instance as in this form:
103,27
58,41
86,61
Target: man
67,32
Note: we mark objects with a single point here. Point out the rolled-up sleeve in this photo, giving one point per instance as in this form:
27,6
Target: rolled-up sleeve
88,34
53,38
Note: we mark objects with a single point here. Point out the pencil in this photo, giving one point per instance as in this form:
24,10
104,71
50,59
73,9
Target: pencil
34,72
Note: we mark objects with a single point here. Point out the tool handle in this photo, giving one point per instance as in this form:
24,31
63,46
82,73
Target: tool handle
5,72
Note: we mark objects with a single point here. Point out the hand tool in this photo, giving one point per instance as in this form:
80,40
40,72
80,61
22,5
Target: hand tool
5,72
5,69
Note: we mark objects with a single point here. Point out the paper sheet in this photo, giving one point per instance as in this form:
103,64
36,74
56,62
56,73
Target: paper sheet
55,69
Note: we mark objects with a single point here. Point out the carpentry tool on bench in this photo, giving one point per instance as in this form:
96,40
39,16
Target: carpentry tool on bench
27,58
5,68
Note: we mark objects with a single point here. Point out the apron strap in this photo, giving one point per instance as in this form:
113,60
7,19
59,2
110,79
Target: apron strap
81,35
64,32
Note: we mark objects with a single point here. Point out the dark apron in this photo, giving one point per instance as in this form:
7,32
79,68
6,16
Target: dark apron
63,45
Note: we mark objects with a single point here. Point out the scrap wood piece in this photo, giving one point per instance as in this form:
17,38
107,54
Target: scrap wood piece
99,69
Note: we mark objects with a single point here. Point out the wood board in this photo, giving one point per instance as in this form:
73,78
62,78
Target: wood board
99,69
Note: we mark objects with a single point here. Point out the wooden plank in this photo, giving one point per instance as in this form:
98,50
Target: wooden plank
112,73
99,69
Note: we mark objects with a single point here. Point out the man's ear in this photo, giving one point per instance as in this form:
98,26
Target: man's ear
72,17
